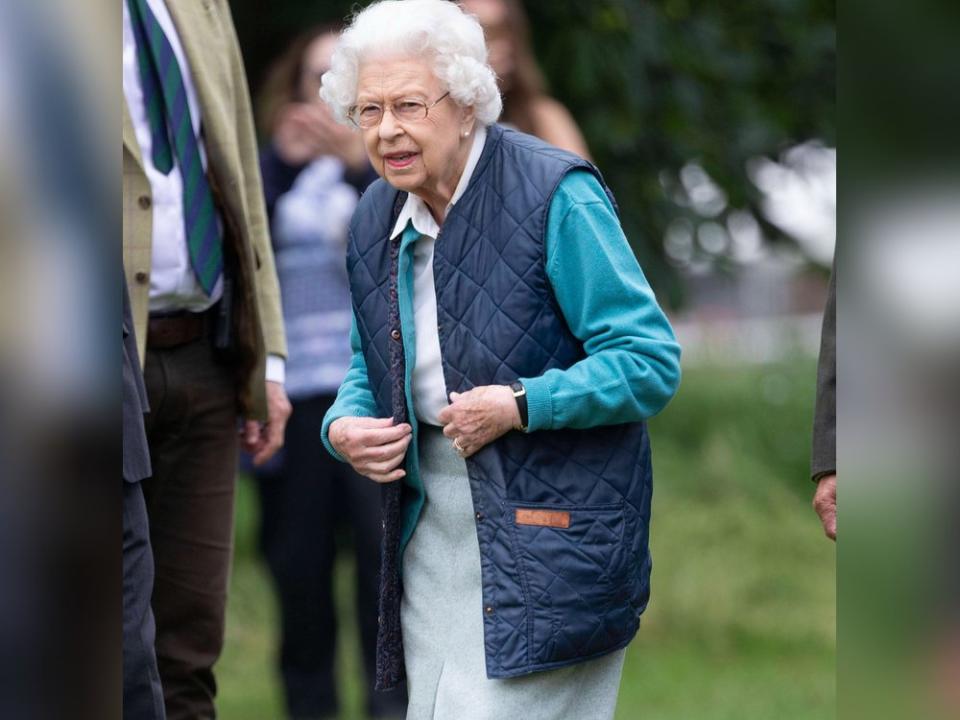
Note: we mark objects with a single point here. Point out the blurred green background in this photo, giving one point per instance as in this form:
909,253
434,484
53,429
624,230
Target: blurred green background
741,623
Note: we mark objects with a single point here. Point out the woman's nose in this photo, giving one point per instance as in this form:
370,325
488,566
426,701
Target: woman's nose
389,127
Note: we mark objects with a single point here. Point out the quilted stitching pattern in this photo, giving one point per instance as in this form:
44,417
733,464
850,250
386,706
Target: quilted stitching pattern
551,596
593,546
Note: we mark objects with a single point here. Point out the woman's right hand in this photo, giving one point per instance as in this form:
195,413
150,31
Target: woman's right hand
375,447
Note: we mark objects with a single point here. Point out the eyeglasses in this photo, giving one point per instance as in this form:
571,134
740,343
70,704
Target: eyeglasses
368,115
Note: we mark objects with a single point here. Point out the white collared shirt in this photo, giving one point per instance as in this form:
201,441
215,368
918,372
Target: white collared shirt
428,385
173,284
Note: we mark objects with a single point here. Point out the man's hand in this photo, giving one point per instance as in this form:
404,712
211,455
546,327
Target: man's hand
375,447
262,440
478,417
825,503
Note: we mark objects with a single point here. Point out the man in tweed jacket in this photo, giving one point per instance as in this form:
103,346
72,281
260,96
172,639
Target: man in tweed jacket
209,356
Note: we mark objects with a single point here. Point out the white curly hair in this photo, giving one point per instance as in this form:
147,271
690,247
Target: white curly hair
437,30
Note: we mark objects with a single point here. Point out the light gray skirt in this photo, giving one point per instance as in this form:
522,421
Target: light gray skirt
442,619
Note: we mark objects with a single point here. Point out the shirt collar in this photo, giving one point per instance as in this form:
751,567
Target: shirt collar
415,210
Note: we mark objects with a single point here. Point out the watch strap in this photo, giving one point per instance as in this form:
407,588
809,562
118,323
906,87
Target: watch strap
520,395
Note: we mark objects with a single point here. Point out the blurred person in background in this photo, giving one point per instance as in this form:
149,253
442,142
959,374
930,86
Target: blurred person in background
206,311
526,105
507,350
314,170
823,467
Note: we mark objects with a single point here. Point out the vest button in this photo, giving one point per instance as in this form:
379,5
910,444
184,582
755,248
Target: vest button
479,516
144,201
395,334
141,277
488,610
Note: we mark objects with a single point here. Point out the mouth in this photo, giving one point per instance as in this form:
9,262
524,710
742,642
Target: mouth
399,160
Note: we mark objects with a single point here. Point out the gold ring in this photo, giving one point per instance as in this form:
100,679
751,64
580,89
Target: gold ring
458,447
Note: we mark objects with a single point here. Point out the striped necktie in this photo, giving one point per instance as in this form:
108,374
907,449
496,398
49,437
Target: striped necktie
171,128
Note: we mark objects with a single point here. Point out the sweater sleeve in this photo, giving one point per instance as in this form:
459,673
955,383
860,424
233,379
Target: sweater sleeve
354,398
824,460
632,368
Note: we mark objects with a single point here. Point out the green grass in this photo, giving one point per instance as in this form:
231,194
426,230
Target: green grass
741,623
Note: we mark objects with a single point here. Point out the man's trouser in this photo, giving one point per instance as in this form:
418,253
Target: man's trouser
192,433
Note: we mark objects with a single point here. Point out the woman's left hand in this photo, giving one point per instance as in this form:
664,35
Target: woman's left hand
478,417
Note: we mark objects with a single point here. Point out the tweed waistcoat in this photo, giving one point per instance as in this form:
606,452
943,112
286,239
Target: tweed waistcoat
562,515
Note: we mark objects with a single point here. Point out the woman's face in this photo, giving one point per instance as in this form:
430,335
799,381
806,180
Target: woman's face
425,157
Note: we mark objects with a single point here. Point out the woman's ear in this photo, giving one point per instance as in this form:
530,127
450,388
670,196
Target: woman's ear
468,123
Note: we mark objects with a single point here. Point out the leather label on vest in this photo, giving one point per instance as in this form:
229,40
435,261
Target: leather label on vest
543,518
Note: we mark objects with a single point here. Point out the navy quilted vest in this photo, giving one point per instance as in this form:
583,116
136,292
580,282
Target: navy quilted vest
552,596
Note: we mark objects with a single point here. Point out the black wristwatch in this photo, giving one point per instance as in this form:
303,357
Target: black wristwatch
520,395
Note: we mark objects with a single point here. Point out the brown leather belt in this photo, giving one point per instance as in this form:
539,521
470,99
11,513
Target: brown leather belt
170,331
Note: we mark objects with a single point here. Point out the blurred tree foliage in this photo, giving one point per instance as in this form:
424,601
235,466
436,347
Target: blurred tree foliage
655,85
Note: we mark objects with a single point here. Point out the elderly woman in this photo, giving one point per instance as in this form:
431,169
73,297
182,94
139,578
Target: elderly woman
506,352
